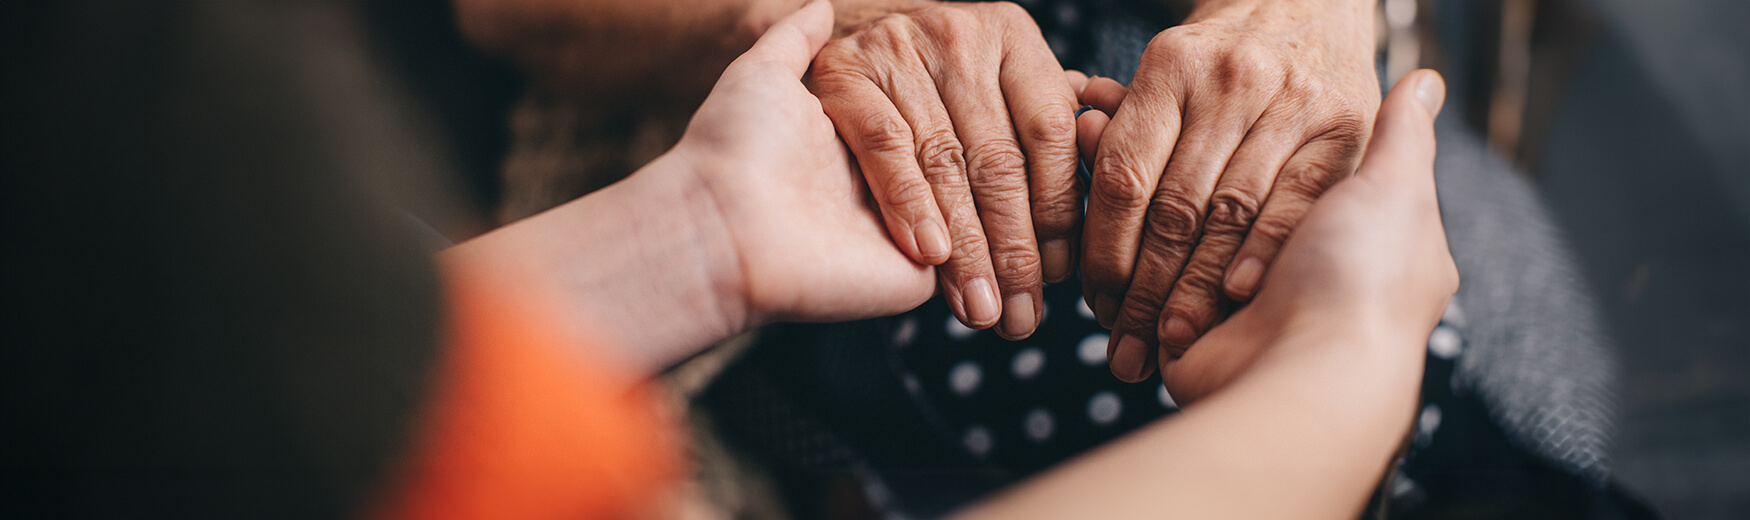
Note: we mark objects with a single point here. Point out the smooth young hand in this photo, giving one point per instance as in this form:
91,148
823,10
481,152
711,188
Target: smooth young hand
808,244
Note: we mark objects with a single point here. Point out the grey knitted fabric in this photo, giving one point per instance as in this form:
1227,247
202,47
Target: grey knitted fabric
1537,355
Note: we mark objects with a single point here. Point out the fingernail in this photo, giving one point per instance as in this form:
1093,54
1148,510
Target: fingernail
981,303
1018,316
1178,332
1055,254
1431,91
1244,278
1105,310
932,241
1128,359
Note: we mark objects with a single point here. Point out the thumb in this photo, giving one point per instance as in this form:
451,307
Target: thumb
794,40
1402,147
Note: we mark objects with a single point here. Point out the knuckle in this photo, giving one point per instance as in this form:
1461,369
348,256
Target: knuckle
1056,214
1120,182
1142,309
1172,220
1311,177
882,134
1053,127
951,23
907,192
1008,11
1231,211
1275,230
940,154
997,160
1015,264
969,251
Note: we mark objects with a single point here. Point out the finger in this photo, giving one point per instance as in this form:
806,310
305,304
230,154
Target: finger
1076,80
971,282
1043,114
1197,299
1127,168
997,171
882,141
1403,135
1175,216
794,40
1104,94
1089,128
1312,170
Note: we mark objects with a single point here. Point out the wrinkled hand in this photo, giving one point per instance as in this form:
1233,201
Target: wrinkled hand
1236,121
1370,257
809,246
963,125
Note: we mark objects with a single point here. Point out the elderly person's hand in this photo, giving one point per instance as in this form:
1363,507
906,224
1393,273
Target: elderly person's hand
1369,257
964,126
1236,121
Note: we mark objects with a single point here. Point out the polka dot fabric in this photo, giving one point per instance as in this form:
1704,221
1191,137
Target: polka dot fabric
1025,405
1021,405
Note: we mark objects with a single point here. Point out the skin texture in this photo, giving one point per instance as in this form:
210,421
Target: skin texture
1235,123
1333,338
756,216
959,117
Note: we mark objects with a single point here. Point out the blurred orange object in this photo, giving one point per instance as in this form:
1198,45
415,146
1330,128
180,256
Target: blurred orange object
523,426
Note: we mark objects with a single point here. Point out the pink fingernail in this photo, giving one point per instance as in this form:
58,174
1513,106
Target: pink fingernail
1178,332
1128,359
1018,316
1055,254
932,241
1105,310
1244,278
981,303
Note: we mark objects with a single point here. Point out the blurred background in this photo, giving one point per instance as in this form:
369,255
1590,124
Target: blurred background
1633,118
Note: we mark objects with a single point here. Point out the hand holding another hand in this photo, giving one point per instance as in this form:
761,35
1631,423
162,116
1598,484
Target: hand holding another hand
1236,122
1368,262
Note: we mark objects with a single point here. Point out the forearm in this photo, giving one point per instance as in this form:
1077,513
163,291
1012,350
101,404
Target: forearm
1306,433
635,267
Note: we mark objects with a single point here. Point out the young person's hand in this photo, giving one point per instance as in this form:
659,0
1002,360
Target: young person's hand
808,243
757,215
965,130
1368,261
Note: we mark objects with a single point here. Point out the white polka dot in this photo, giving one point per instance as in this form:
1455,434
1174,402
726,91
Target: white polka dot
1038,425
905,332
1454,314
912,384
978,441
957,330
1028,362
1427,423
1083,310
1092,349
1166,398
964,378
1104,408
1401,485
1444,342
